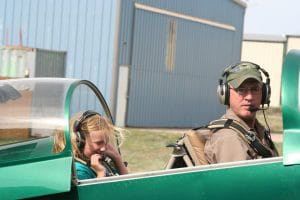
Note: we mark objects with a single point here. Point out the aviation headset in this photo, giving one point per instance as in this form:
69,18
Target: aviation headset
80,137
223,87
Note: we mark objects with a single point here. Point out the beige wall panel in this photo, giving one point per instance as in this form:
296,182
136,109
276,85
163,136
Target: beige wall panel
293,43
269,56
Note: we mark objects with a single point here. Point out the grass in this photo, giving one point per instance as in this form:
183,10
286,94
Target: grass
145,149
274,119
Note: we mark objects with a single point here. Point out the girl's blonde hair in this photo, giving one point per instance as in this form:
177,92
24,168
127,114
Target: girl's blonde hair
59,141
95,123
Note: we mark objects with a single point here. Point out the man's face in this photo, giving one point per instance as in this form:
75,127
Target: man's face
248,94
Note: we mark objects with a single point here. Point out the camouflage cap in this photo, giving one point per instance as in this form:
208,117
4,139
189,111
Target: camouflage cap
237,74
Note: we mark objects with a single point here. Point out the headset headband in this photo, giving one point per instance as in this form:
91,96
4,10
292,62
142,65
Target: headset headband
236,67
83,117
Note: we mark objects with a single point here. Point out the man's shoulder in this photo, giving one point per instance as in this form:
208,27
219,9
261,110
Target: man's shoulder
227,127
224,133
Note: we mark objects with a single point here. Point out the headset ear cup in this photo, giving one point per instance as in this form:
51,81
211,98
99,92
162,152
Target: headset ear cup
76,126
227,94
80,140
266,94
223,93
220,93
80,137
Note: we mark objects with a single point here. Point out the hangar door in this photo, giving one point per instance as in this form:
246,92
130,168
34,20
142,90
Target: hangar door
173,65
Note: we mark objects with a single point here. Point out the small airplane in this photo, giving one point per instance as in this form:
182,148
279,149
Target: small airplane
34,111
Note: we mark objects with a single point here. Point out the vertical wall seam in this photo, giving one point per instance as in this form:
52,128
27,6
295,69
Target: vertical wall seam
4,22
84,43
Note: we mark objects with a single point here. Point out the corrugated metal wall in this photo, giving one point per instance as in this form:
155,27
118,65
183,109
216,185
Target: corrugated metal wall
84,28
185,94
210,9
49,63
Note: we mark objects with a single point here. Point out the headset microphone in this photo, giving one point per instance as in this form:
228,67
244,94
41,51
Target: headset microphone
254,109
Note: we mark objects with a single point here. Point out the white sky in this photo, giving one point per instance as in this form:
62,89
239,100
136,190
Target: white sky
272,17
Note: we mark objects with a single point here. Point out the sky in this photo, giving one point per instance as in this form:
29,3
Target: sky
272,17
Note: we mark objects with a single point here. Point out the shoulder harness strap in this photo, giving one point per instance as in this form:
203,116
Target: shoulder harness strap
246,134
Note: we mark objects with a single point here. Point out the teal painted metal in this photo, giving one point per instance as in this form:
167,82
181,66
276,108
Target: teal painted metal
291,108
46,176
261,181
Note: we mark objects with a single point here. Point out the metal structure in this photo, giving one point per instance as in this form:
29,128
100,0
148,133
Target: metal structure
18,62
175,58
173,52
86,30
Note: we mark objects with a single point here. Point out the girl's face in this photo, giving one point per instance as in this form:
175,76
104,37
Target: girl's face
95,143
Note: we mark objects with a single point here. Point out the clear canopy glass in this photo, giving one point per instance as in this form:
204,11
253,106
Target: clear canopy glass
35,114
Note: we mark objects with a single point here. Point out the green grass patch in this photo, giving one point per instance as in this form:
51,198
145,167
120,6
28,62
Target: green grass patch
274,119
145,149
